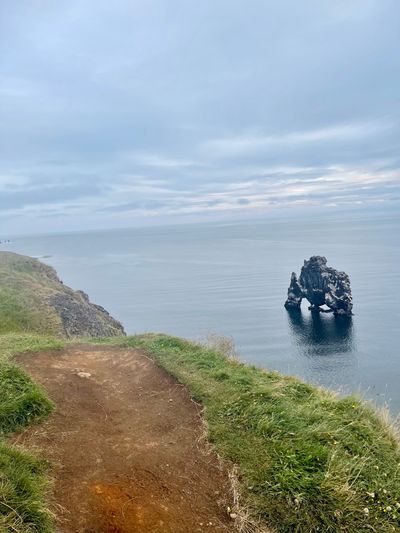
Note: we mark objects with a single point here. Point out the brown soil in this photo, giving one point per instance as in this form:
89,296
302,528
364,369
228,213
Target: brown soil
126,446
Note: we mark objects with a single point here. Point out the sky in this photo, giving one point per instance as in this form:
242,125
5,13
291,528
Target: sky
114,114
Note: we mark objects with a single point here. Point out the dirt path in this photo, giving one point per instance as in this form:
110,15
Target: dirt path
125,442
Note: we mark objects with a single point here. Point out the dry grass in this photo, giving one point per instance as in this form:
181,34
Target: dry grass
222,344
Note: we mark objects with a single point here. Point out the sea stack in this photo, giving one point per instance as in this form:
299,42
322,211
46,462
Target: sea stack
320,285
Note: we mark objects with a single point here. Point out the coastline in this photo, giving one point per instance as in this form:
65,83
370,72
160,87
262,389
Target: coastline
237,279
304,459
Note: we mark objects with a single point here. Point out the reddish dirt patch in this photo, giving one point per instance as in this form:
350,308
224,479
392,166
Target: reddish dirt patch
126,446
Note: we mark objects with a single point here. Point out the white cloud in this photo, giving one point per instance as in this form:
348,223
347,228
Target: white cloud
296,187
157,160
237,146
12,182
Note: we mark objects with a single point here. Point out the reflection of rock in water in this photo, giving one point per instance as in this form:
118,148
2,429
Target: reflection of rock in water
321,335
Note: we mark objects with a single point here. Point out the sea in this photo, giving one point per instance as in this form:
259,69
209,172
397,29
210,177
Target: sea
231,279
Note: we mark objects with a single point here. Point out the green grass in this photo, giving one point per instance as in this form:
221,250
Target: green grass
14,315
23,484
15,343
22,401
22,477
308,460
25,286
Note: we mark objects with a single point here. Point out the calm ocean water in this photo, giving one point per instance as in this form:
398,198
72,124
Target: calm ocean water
232,279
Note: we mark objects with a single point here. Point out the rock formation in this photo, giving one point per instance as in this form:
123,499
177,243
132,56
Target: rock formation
320,285
81,318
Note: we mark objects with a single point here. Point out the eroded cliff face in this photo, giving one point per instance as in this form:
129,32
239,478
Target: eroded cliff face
320,285
81,318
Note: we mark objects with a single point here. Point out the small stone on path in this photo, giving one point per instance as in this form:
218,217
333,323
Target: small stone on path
84,374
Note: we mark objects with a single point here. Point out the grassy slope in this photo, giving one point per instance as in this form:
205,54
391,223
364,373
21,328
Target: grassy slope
22,476
308,460
24,285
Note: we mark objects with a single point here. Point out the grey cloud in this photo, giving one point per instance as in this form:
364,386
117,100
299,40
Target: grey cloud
166,107
11,199
132,206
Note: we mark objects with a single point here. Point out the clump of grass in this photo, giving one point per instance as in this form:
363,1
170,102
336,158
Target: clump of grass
222,344
22,486
308,460
22,401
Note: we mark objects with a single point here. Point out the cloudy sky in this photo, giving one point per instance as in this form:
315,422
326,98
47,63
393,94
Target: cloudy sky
152,111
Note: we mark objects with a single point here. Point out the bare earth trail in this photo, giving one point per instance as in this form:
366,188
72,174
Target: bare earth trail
125,444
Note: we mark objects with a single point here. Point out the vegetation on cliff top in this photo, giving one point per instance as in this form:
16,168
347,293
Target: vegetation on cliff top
308,460
24,285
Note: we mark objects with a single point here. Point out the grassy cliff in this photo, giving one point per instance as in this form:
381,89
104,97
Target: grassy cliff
33,299
306,460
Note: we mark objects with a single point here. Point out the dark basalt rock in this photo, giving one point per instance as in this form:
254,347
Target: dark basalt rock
81,318
320,285
295,293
